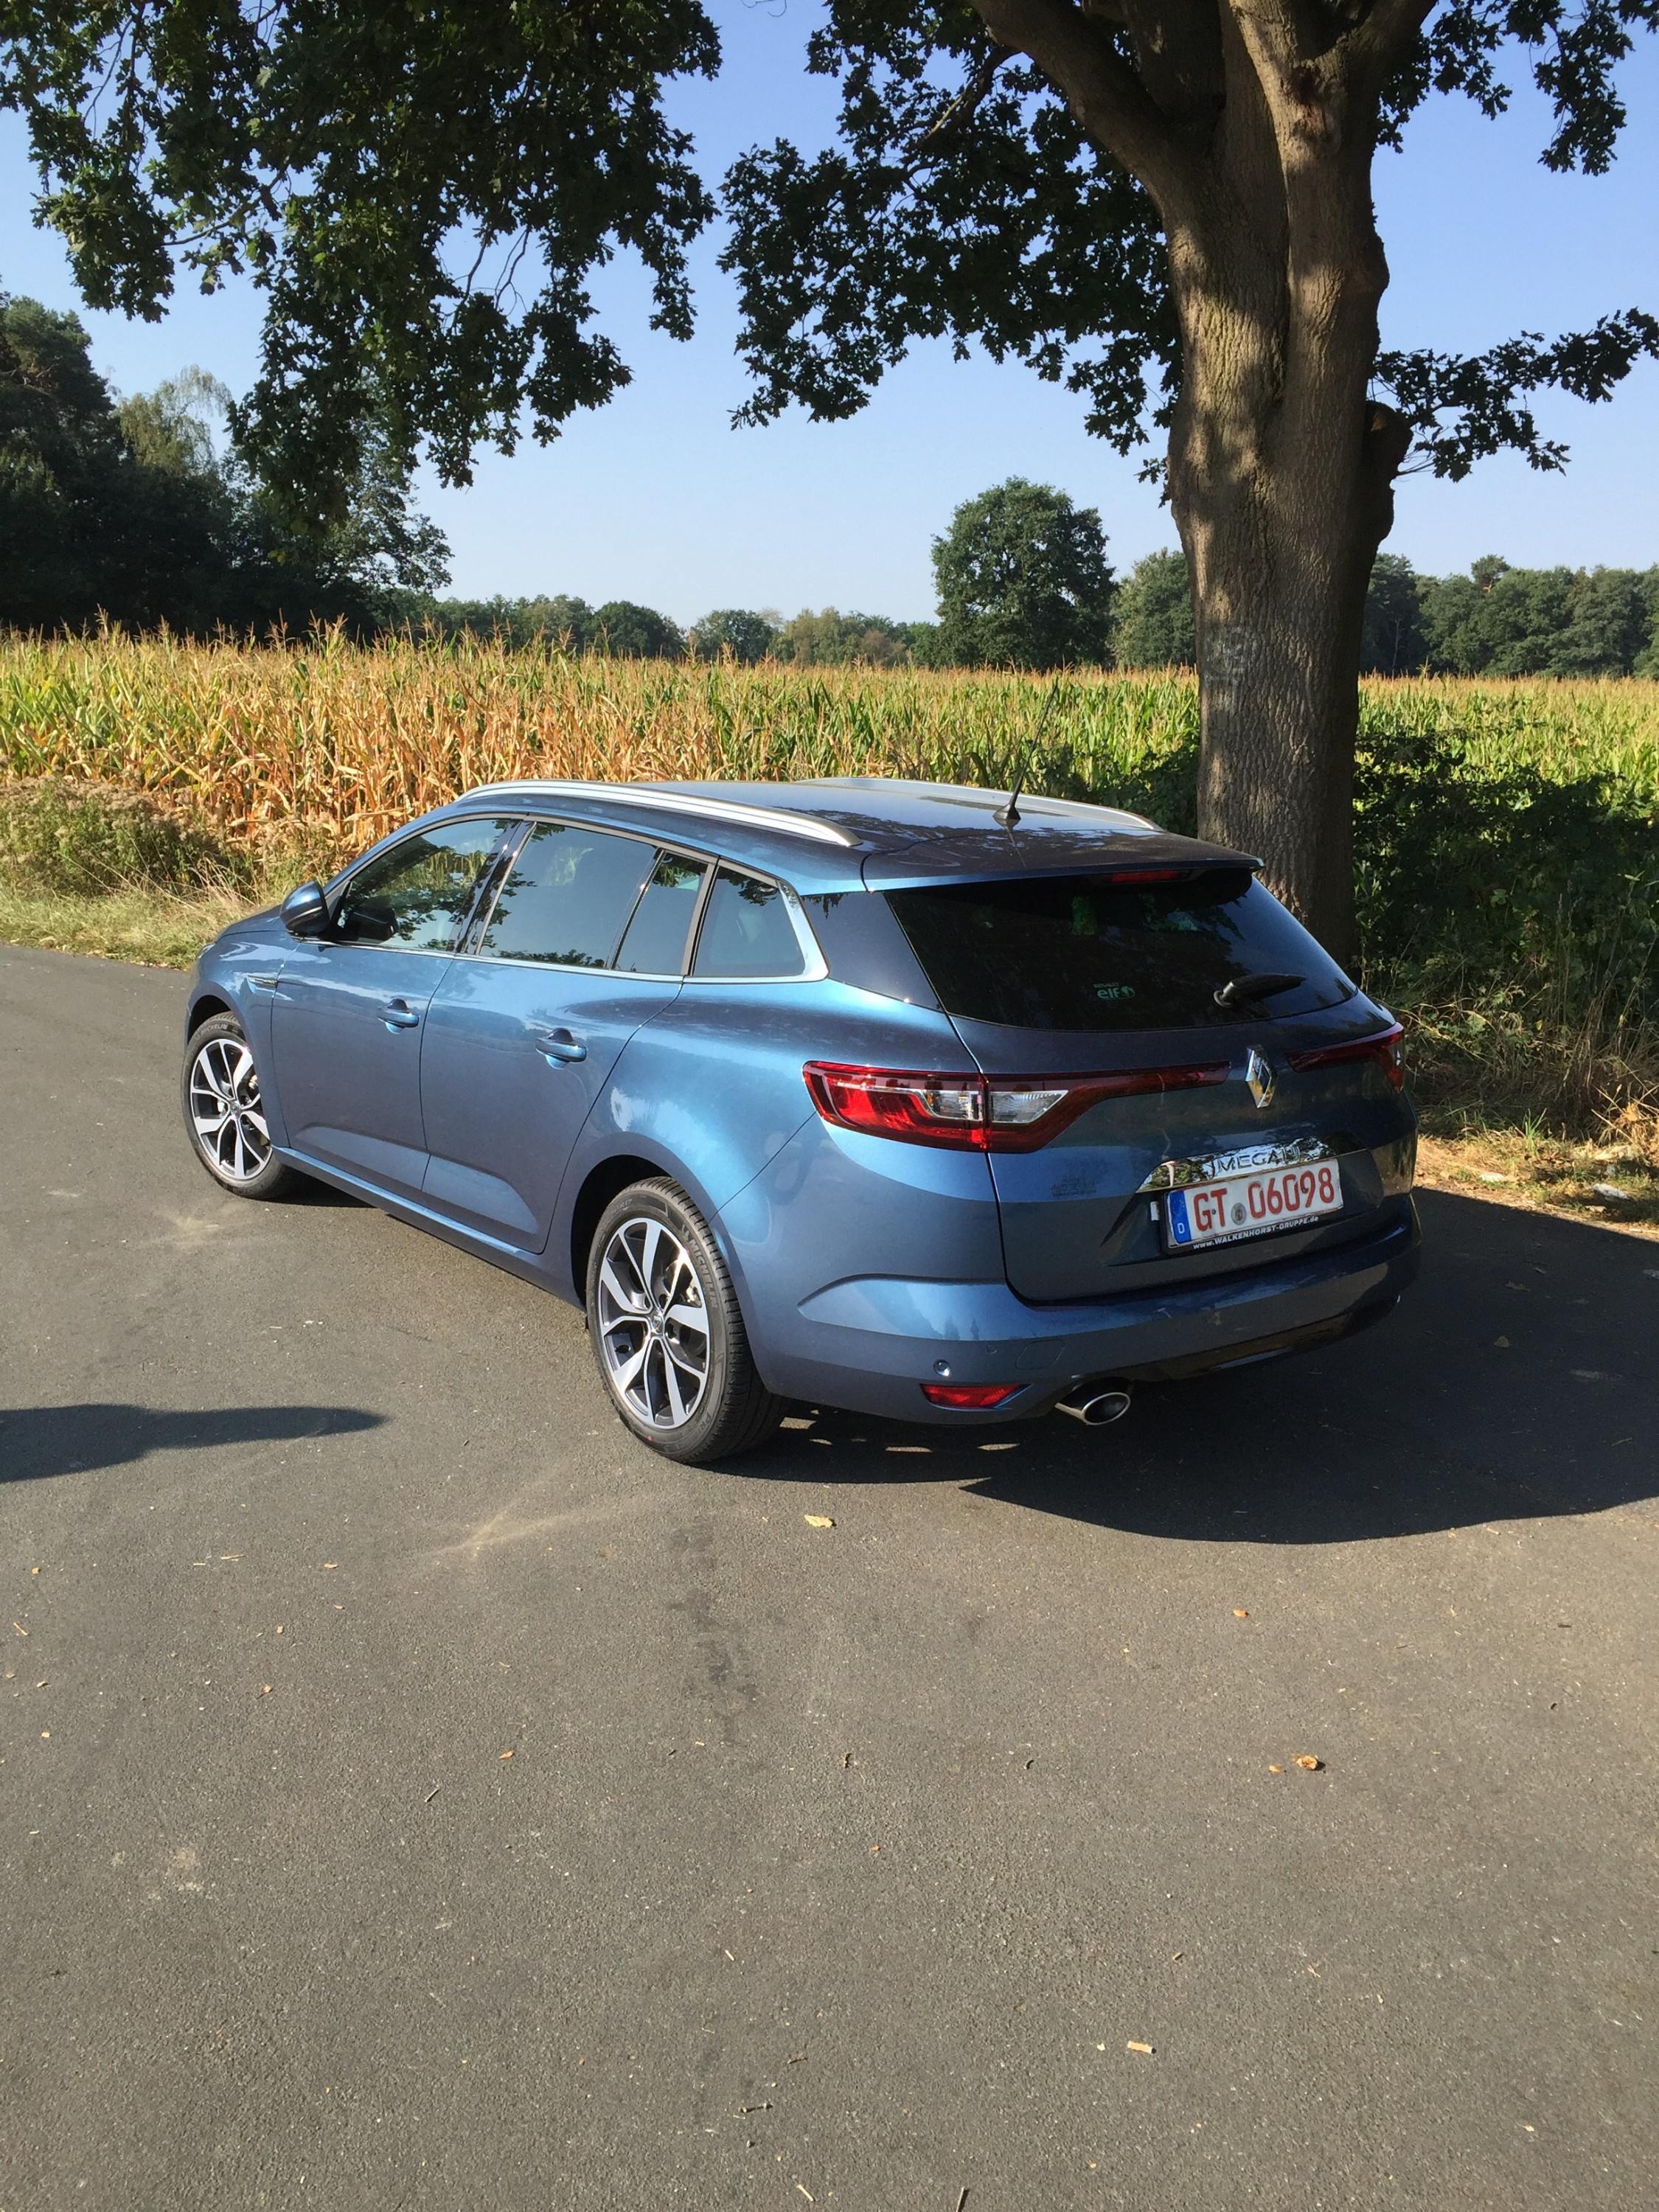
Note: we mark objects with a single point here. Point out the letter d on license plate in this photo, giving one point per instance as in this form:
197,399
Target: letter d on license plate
1251,1206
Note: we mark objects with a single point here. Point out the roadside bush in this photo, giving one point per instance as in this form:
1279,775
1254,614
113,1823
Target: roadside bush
58,835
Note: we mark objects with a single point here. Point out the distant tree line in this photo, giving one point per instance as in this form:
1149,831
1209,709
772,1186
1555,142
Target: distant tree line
138,511
1024,580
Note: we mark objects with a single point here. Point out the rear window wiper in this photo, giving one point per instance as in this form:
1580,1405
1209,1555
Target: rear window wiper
1246,990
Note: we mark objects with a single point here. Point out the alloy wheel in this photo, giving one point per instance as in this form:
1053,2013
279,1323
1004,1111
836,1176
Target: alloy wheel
225,1110
653,1323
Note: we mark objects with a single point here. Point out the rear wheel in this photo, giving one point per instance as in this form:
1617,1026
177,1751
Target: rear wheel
668,1333
224,1113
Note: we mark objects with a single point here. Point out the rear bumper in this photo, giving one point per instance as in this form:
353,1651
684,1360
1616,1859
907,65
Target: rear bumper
869,1343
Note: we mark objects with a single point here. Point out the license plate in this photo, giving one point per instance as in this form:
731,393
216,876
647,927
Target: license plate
1250,1205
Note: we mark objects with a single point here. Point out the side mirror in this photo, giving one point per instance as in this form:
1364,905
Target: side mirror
305,911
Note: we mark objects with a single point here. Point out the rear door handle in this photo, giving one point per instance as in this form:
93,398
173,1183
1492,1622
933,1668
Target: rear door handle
399,1014
556,1045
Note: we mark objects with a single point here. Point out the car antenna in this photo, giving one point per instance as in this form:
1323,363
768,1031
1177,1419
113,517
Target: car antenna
1007,815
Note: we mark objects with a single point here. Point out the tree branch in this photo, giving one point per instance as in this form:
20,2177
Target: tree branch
959,111
1102,90
1379,41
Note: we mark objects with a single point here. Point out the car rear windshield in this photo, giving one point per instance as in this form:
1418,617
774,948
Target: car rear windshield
1088,952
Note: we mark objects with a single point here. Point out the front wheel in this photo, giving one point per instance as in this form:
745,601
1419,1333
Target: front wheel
224,1113
668,1333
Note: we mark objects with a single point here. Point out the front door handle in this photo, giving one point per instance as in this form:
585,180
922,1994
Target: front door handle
556,1045
399,1014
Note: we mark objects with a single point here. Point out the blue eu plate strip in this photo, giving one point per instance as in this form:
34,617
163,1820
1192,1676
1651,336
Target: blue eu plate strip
1181,1229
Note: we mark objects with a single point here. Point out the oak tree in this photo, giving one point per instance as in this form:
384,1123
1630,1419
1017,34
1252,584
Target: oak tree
1166,203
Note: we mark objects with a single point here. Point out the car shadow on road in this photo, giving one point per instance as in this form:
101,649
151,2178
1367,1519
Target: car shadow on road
36,1441
1518,1380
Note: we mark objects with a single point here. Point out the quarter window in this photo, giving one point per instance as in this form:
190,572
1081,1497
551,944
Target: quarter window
568,896
746,930
418,896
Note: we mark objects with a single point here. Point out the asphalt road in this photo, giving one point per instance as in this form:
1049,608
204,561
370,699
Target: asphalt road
415,1794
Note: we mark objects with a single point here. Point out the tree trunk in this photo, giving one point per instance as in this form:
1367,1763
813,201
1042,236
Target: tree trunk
1281,500
1281,477
1253,124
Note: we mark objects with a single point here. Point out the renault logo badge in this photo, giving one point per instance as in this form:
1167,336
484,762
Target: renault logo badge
1260,1077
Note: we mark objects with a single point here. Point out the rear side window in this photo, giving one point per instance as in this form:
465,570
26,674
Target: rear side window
418,896
568,896
1084,952
746,930
655,942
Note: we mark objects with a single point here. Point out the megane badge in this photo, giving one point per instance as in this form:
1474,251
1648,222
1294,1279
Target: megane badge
1260,1077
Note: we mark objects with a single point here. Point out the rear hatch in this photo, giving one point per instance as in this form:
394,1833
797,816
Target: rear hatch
1187,1033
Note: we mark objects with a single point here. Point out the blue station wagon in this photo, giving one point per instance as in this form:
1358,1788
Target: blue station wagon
900,1097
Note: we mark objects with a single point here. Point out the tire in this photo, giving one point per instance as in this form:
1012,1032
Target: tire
667,1335
228,1130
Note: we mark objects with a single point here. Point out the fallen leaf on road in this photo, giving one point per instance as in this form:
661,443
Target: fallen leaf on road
1275,1770
817,1520
506,1754
34,1570
46,1735
1500,1344
1145,2049
329,1566
1308,1763
265,1693
1239,1613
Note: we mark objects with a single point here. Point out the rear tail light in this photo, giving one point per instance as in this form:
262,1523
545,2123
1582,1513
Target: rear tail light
971,1397
1386,1049
980,1112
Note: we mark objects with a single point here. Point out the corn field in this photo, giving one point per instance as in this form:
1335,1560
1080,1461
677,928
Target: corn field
324,746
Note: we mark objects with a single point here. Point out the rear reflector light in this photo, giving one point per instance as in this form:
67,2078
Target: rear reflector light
971,1397
1386,1049
980,1112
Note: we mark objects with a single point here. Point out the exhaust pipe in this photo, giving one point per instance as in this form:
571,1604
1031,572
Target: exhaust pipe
1094,1406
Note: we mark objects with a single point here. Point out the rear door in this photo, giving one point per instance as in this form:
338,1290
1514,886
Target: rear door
585,941
1065,977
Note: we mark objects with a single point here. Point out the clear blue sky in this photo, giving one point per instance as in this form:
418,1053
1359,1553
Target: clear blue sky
655,498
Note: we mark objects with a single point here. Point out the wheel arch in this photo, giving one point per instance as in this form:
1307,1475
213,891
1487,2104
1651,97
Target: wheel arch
204,1007
600,1185
614,1173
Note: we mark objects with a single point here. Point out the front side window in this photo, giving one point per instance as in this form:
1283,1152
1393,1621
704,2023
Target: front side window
746,930
655,942
1087,952
418,896
568,896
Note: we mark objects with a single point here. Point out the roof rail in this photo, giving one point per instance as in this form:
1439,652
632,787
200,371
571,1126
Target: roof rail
682,802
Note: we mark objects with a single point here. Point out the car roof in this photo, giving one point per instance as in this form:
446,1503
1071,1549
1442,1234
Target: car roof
839,833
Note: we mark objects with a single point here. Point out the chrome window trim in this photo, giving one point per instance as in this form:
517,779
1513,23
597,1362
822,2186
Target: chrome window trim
681,802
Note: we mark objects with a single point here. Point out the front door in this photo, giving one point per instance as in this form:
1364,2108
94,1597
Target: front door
524,1033
350,1008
